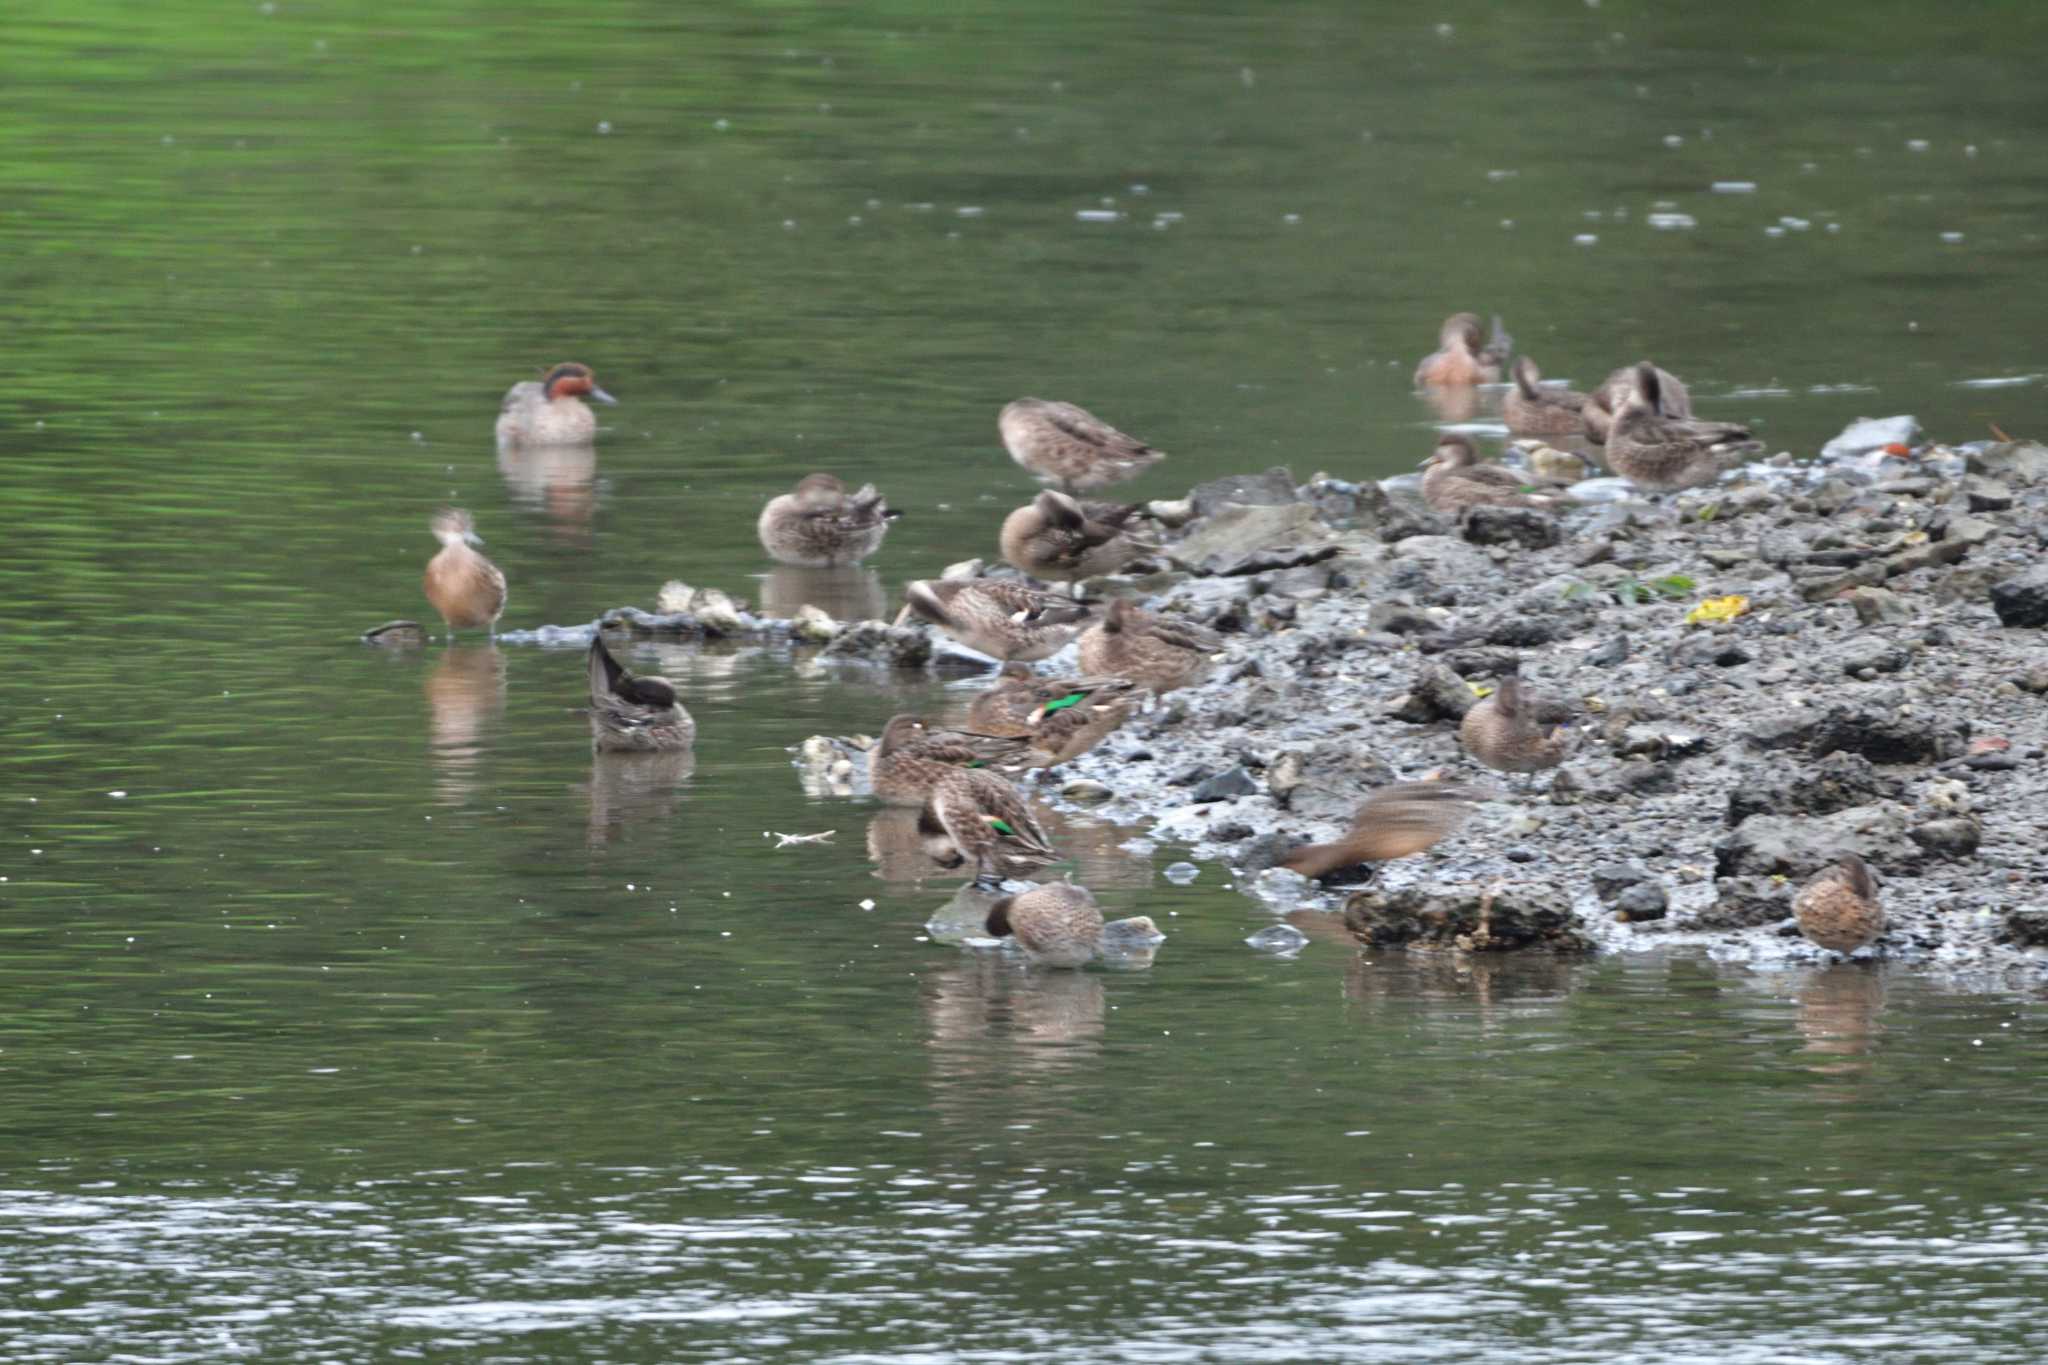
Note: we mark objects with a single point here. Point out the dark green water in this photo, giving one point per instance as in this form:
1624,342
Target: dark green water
348,1010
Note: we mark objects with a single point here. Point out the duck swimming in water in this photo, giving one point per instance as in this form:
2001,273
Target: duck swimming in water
633,714
821,525
467,589
1463,357
1061,444
1057,925
973,816
551,410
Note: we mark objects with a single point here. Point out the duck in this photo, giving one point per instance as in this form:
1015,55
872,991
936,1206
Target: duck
1455,481
550,410
1501,732
1064,540
631,714
1674,400
820,525
1059,443
1838,909
1394,822
1531,410
1150,651
1057,924
1462,359
911,757
466,588
1662,454
1002,620
1061,718
973,816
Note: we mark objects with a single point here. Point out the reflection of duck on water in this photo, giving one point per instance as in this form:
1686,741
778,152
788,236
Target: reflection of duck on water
634,789
465,690
560,481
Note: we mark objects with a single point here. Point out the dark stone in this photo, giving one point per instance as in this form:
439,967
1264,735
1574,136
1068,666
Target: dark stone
1952,838
1436,694
1745,903
2022,600
1612,651
1644,777
1224,786
1986,495
1522,632
1519,916
1643,902
1864,659
897,646
1523,526
1784,729
1189,777
1611,879
1838,782
1231,831
1879,738
2027,928
1400,618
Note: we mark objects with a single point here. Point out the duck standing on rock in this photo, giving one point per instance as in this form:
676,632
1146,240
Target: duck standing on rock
1061,444
1461,360
1501,732
1395,822
467,589
1530,409
551,411
1662,454
821,525
911,758
1002,620
1057,925
632,714
1838,909
975,817
1060,718
1151,651
1455,480
1062,540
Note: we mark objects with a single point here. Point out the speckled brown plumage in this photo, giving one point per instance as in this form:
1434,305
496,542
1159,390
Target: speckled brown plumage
1061,444
1838,909
1002,620
1501,732
1154,652
911,758
1658,453
1060,718
820,524
1532,409
1057,925
630,713
1395,822
466,588
976,818
1058,538
1455,480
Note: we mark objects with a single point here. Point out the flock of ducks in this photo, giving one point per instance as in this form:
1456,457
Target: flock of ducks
971,815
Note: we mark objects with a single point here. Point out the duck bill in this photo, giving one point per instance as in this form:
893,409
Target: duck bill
472,537
601,396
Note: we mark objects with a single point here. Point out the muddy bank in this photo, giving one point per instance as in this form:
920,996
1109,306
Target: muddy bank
1871,697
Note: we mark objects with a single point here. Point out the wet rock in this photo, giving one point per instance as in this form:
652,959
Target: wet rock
1880,738
1087,792
1436,694
1799,846
1528,915
1445,558
2019,462
1879,606
1746,903
1866,434
673,597
812,624
1868,658
1523,526
1400,618
876,642
2022,600
1610,652
1518,631
1643,903
1224,787
1271,488
1240,539
1611,879
1839,781
1951,839
2027,928
1983,494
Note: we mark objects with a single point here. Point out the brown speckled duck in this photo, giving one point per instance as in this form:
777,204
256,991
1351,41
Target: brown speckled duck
1463,358
1058,538
1154,652
1002,620
1501,732
633,714
1674,400
1659,453
1456,480
821,525
1395,822
467,589
1071,447
911,757
1057,924
1838,909
1060,718
1531,409
973,816
551,411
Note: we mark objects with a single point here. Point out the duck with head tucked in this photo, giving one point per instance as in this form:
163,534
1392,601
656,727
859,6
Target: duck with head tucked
1501,731
1061,444
551,410
821,525
1060,718
1663,454
1531,409
1674,400
1154,652
1839,909
1057,924
1002,620
1463,357
911,758
973,816
1063,540
467,589
1456,480
631,714
1394,822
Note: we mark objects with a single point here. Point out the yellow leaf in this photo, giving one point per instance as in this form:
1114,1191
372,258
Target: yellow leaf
1480,690
1718,609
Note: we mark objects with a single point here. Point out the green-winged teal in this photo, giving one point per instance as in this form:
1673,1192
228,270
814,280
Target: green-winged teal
1394,822
467,589
1060,718
550,410
1531,409
820,524
1057,924
1463,356
1455,481
911,757
633,714
1838,909
1063,540
1501,731
974,817
1154,652
1061,444
1002,620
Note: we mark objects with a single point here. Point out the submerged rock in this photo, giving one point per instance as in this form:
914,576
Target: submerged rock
1468,918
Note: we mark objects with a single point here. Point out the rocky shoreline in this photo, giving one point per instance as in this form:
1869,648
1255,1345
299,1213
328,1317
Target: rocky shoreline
1870,697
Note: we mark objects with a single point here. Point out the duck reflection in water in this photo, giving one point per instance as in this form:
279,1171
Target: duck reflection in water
846,593
634,789
465,691
558,481
1839,1007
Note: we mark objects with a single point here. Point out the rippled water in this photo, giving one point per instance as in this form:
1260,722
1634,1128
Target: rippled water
349,1009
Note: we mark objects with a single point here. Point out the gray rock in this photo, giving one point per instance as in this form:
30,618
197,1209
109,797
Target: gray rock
1982,494
2027,928
1866,434
1273,487
1240,539
1328,780
1436,694
1746,903
1952,838
1400,618
1224,787
1799,846
2019,462
1611,879
877,642
1519,916
1879,606
1523,526
2022,600
1839,781
1643,902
